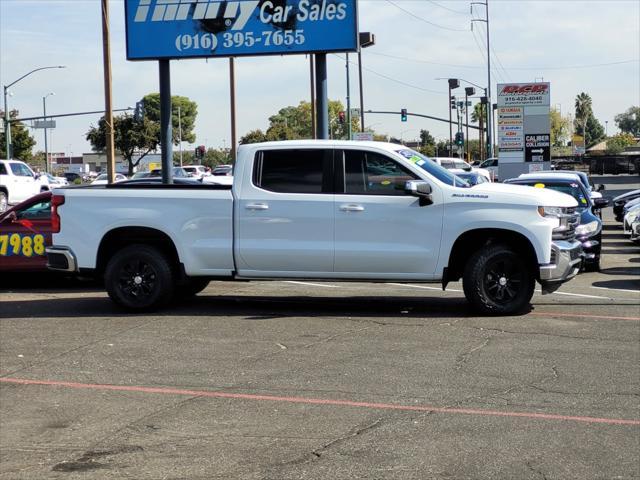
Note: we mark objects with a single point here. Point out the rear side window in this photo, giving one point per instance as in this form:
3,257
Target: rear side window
369,173
292,171
3,169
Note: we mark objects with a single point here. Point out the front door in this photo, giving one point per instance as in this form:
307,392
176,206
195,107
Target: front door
381,231
284,220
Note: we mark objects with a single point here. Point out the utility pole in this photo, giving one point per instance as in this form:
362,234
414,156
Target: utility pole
180,132
108,103
232,82
488,112
348,100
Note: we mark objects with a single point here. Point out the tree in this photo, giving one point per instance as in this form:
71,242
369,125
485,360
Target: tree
427,143
187,109
131,137
138,137
294,122
21,142
559,128
617,144
585,123
629,121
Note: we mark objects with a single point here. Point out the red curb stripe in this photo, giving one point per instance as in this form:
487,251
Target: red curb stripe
320,401
579,315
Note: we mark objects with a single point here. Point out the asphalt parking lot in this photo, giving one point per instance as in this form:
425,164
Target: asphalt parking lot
322,380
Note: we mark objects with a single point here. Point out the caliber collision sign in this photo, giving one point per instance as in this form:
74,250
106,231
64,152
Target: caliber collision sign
537,148
220,28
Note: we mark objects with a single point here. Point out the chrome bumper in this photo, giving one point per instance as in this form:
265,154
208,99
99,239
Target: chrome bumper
61,259
566,260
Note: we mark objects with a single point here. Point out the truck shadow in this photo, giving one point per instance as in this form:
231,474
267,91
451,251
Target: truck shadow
250,308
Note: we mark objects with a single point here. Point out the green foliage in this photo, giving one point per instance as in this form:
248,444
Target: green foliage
140,137
294,122
629,121
559,128
187,117
77,181
618,143
584,117
21,142
131,137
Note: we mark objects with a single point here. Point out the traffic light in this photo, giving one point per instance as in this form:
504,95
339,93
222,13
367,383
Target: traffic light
453,102
341,117
138,113
459,139
200,151
403,115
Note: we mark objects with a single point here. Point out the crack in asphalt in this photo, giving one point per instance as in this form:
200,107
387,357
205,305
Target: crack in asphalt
536,471
462,359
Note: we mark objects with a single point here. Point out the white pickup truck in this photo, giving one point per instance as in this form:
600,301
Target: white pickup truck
319,209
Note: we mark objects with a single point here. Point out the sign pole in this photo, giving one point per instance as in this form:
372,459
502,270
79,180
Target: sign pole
232,91
166,133
322,111
46,150
312,78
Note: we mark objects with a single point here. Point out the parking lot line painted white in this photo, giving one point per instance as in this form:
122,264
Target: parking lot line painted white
312,284
617,289
582,295
423,286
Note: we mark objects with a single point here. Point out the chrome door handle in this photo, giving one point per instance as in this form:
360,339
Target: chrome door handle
351,208
257,206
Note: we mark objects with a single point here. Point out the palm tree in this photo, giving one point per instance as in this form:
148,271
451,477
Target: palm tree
583,112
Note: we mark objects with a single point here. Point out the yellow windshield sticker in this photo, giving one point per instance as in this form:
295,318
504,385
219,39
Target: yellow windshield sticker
415,159
385,182
539,185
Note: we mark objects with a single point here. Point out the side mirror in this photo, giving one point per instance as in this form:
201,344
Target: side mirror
599,203
10,218
420,189
601,188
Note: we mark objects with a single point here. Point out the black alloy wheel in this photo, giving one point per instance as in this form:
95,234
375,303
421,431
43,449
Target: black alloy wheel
139,277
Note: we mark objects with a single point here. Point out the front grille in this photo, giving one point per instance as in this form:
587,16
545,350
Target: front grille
568,224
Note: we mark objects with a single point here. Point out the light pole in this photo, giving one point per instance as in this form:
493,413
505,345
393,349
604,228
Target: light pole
44,112
488,90
7,123
468,92
180,132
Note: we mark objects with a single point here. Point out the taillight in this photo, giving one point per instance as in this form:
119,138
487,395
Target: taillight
56,201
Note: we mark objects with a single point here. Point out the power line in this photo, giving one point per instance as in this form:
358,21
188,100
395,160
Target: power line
416,60
423,20
393,79
447,8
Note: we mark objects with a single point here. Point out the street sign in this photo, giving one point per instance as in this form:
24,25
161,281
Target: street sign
537,148
165,29
44,124
362,136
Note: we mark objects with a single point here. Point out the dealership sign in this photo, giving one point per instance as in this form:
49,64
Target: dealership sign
523,94
165,29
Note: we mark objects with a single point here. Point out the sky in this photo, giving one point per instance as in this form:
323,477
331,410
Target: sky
576,45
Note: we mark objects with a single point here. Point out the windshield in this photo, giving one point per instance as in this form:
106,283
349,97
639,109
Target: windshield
572,189
102,177
432,168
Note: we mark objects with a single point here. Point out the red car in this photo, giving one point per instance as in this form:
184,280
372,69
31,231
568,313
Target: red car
25,231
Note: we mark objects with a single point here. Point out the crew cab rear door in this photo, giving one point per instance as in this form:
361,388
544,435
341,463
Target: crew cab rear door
284,216
381,231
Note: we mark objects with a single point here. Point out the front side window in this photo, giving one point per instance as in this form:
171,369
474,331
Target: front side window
3,169
291,171
20,170
368,173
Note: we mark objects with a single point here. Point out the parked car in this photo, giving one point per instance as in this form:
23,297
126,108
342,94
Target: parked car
223,170
594,191
628,213
72,176
196,171
49,182
491,165
589,230
138,175
25,232
634,228
621,200
474,178
103,179
17,183
453,163
178,172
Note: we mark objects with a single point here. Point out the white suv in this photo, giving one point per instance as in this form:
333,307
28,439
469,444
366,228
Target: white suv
17,183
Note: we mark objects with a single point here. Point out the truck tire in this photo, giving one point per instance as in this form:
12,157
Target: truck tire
192,286
139,278
497,281
4,201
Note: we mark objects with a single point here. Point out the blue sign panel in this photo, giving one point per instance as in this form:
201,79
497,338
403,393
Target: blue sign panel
224,28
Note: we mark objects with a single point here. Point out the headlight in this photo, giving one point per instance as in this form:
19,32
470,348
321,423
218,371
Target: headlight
552,211
587,229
